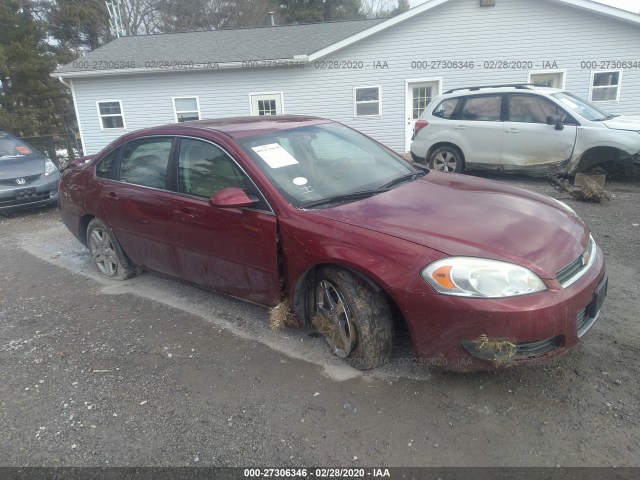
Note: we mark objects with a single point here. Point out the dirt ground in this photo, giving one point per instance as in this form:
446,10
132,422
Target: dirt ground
153,372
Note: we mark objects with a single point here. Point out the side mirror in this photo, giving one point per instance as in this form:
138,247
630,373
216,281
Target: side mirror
231,197
556,120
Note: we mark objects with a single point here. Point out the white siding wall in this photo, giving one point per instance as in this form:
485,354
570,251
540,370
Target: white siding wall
520,30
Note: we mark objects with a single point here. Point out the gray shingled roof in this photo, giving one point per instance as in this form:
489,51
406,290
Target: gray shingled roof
222,46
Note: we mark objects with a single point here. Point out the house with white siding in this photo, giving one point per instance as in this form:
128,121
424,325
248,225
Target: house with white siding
374,75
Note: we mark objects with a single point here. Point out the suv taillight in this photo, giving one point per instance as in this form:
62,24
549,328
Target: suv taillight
420,124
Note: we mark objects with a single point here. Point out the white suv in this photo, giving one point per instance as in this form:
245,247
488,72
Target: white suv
524,128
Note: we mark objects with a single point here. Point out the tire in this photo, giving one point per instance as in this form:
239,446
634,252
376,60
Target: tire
107,253
446,159
354,319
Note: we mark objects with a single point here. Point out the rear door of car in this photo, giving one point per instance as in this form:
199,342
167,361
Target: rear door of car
528,140
479,129
233,250
137,203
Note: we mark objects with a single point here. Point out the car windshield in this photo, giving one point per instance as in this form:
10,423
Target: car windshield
581,107
326,164
10,146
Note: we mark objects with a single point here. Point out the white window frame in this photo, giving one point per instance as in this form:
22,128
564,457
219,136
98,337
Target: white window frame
100,115
549,72
256,94
379,101
591,87
176,112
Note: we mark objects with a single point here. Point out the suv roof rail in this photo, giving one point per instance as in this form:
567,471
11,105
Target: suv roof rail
524,86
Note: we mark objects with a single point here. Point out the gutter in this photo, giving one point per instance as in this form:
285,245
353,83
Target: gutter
297,62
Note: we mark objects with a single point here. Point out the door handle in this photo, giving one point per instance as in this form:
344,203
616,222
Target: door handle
513,130
460,127
185,215
112,196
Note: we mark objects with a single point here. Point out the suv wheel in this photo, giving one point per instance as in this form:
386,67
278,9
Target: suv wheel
446,159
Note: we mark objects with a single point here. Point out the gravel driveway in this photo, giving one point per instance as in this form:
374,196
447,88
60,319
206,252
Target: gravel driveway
153,372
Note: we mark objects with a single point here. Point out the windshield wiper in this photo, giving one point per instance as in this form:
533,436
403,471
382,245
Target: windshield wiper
409,176
345,198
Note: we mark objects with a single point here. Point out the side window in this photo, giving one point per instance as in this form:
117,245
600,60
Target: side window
204,169
482,108
144,162
446,108
107,166
530,109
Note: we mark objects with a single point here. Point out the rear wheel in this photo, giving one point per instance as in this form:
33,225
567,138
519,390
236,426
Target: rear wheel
107,253
446,159
354,318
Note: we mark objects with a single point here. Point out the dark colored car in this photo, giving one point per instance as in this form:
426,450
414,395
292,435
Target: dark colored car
355,239
27,178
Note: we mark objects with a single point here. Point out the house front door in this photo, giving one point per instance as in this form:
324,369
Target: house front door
418,95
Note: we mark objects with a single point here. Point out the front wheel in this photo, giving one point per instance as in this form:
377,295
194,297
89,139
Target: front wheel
107,253
354,318
446,159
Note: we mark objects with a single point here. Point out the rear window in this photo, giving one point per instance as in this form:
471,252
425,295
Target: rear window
446,108
11,146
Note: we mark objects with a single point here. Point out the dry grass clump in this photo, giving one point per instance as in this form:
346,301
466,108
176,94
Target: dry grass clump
322,324
278,316
501,349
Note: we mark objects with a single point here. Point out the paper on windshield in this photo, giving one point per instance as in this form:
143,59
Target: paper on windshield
275,155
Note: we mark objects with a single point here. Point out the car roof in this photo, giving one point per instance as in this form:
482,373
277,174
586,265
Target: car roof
488,89
237,127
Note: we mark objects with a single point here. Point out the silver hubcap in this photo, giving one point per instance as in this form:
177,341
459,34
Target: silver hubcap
330,303
445,162
103,253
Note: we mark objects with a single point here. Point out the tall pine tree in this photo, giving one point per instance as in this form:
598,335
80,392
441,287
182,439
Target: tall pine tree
33,105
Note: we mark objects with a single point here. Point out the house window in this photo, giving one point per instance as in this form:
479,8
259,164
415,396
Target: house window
186,108
547,79
605,86
110,113
366,102
266,103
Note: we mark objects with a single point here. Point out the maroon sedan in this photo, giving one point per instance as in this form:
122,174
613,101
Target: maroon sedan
354,239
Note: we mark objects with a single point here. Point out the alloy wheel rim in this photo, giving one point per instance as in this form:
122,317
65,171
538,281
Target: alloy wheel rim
331,304
103,252
445,162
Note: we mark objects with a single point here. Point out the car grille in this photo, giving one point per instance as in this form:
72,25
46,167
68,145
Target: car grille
576,269
585,322
539,347
26,200
12,181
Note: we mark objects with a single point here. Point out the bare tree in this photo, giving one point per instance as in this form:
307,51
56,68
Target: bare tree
384,8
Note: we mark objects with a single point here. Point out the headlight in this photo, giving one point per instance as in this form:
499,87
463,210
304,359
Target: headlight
49,167
480,277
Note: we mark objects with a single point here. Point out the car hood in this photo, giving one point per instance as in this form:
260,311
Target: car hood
624,123
461,215
21,166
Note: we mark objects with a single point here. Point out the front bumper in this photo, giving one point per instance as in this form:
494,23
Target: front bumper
40,191
479,334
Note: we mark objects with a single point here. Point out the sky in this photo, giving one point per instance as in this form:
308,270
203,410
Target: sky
633,5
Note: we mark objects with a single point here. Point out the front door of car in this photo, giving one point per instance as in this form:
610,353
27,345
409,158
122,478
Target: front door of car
137,206
528,140
233,250
479,130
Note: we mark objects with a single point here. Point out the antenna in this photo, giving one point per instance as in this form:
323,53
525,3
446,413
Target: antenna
115,18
